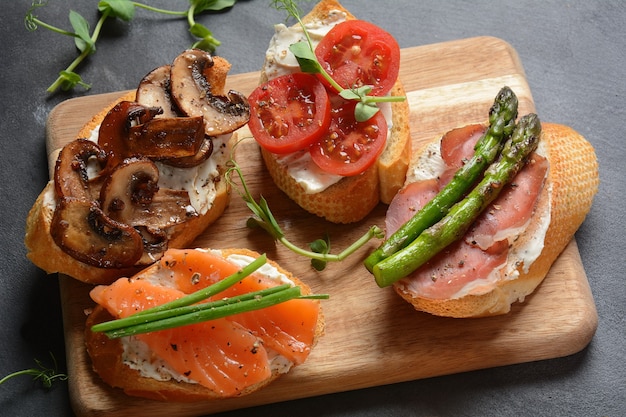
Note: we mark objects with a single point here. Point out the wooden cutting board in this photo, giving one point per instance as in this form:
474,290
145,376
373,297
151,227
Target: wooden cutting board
372,337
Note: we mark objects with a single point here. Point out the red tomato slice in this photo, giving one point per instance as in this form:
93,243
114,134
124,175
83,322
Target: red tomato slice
288,113
349,147
357,53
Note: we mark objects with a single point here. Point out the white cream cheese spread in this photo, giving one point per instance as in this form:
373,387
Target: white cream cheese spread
279,60
198,181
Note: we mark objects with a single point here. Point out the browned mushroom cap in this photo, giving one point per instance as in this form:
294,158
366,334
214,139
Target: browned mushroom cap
154,91
196,87
154,245
115,126
129,187
131,195
172,137
205,151
70,172
81,229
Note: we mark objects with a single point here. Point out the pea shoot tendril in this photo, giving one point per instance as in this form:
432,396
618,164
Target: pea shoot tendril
263,218
41,373
125,10
304,52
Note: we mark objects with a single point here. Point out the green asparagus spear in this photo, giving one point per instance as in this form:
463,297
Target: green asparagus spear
455,224
502,117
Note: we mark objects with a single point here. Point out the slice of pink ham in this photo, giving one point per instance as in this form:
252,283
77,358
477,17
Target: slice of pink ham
457,146
510,213
410,199
485,246
453,268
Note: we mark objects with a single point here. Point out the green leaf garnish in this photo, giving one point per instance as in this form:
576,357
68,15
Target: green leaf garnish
320,246
365,110
308,62
306,58
211,5
124,10
83,40
264,219
69,80
207,41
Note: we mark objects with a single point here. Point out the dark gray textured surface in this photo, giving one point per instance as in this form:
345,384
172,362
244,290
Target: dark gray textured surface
575,60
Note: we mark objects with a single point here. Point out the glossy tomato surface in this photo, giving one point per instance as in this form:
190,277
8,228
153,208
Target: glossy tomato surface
349,147
357,53
289,112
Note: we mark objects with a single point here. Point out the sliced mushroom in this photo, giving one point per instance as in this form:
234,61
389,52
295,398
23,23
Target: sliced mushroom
71,178
154,245
197,88
131,195
81,229
115,127
172,137
154,91
130,187
205,151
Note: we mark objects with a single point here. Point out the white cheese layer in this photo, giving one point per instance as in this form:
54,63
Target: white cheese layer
279,60
198,181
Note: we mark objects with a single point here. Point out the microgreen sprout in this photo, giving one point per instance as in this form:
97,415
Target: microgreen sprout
125,10
41,373
304,52
263,218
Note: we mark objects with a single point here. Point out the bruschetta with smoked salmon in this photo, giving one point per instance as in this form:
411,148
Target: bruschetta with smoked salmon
225,357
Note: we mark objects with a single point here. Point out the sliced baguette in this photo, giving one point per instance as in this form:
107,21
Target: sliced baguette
568,194
47,255
107,361
352,198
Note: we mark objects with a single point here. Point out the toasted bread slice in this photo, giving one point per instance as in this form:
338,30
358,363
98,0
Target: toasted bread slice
566,199
47,255
352,198
107,356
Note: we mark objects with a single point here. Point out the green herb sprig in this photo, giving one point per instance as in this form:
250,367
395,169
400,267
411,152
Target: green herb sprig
125,10
41,373
304,52
192,309
263,218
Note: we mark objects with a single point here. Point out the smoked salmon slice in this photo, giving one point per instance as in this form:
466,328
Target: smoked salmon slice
225,355
291,338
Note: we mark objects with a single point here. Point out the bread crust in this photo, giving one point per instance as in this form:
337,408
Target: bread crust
573,180
47,255
352,198
106,357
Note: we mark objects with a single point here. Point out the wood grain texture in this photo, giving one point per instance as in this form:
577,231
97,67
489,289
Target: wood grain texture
372,337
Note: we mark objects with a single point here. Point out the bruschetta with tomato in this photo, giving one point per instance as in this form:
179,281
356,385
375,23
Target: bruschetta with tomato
317,149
